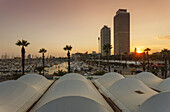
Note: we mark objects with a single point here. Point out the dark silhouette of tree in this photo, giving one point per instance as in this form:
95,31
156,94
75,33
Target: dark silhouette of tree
43,51
107,47
143,61
60,73
135,56
147,54
39,69
23,44
68,48
165,53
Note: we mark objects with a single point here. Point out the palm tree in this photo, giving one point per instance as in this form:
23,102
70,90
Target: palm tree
43,51
39,69
68,48
143,64
135,56
126,57
165,53
23,44
107,47
143,61
147,53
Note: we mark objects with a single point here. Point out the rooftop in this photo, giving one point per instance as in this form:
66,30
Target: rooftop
111,92
121,11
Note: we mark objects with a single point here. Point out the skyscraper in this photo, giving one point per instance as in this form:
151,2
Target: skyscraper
105,37
121,32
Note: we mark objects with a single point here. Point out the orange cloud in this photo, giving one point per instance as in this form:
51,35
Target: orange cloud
164,37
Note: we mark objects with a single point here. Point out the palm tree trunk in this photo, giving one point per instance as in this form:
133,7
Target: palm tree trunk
68,54
108,61
43,62
163,72
165,66
144,68
126,60
135,58
23,59
148,60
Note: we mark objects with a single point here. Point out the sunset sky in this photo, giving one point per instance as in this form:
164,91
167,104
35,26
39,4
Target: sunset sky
51,24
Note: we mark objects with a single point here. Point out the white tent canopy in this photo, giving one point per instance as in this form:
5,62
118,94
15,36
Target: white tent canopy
164,85
157,103
16,96
154,82
109,78
19,95
131,92
72,76
39,82
149,79
71,92
72,104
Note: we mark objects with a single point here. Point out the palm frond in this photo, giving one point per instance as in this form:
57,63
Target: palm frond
42,50
23,43
18,43
164,50
107,47
67,47
147,49
26,44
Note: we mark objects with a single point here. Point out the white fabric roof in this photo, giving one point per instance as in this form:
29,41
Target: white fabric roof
131,92
157,103
71,76
154,82
39,82
109,95
149,79
72,91
72,104
164,85
19,95
109,78
16,96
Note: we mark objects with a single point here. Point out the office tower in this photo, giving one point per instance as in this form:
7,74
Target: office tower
105,37
121,32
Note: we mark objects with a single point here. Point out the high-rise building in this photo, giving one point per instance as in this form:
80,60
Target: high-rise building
121,32
105,37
